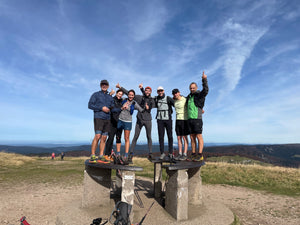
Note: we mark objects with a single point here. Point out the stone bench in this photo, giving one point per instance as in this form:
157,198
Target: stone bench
97,183
182,188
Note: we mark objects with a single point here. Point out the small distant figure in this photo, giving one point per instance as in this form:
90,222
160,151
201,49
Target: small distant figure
62,155
53,156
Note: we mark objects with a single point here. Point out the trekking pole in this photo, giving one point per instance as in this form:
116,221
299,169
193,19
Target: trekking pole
140,223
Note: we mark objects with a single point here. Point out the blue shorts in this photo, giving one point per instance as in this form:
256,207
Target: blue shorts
124,125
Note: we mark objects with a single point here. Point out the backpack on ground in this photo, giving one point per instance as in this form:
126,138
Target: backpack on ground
121,214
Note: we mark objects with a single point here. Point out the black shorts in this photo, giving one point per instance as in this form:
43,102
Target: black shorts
101,126
195,126
182,128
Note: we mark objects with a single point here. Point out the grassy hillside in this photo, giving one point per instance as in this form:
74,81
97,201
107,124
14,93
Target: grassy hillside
17,169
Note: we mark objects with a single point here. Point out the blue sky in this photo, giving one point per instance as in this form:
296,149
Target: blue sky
53,55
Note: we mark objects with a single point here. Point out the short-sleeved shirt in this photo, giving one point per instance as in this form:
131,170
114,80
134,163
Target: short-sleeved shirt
180,107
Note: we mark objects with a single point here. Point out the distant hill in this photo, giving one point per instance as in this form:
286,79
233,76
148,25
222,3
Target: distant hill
287,155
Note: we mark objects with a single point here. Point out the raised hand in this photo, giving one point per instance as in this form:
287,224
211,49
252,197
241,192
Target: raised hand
204,76
140,85
118,86
112,92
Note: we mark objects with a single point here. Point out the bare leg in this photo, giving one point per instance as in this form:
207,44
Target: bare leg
200,143
127,141
95,143
118,145
102,144
179,144
186,144
193,142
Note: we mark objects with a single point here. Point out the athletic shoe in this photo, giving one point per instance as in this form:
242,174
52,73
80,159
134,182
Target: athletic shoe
162,156
182,158
178,157
123,160
130,157
93,159
102,160
172,158
198,158
108,158
150,156
192,157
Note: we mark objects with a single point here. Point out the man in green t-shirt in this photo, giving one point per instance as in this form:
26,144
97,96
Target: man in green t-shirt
195,104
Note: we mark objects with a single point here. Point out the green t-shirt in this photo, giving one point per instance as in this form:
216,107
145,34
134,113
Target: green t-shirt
192,109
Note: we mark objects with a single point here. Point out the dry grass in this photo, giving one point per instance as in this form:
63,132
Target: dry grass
12,159
278,180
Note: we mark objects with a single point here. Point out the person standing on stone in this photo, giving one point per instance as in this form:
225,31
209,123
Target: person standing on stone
181,127
144,118
100,102
115,112
164,106
125,121
195,103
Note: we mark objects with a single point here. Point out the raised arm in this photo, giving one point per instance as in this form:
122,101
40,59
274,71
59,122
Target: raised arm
138,107
204,91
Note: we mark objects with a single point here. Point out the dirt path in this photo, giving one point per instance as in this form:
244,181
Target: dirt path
41,203
256,207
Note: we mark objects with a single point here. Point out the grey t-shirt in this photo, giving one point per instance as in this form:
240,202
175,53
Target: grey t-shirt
125,114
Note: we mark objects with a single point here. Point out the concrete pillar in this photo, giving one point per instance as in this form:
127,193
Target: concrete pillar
157,180
195,186
128,178
93,193
177,194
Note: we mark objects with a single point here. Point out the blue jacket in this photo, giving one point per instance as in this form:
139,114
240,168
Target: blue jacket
97,101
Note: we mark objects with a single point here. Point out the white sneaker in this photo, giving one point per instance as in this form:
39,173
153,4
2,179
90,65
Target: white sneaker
162,156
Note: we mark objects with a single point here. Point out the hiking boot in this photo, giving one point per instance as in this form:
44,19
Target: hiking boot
93,159
198,158
162,156
102,160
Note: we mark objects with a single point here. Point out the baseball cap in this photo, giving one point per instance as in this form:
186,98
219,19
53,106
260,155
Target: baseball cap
160,88
175,90
148,88
104,82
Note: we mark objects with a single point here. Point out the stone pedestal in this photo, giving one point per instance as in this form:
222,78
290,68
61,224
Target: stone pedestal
195,186
157,180
128,178
93,193
177,194
127,195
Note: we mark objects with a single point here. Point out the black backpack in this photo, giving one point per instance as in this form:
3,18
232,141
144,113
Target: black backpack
121,213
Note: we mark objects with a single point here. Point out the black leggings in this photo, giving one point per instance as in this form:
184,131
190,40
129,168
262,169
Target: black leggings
110,140
138,127
162,125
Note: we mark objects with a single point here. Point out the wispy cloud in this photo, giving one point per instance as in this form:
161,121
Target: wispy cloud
146,18
275,51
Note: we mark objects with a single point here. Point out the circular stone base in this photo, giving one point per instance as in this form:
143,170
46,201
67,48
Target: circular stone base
208,213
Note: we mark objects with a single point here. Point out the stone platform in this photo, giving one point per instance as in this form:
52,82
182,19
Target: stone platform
208,213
